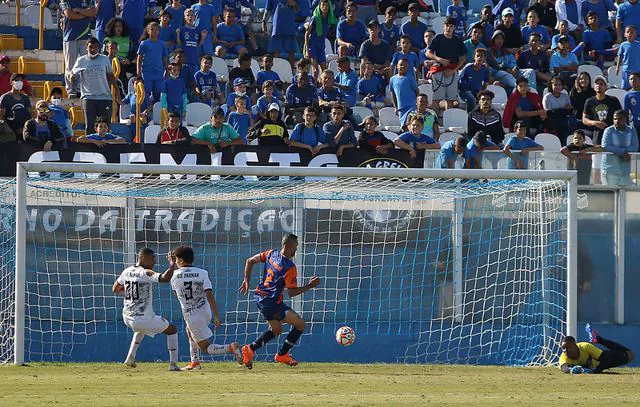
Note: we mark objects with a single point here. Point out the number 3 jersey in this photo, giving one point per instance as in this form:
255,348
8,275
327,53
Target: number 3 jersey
138,291
190,283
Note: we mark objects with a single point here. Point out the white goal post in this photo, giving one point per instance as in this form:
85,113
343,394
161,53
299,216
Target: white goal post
336,191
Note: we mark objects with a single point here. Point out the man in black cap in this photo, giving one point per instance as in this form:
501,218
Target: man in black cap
376,50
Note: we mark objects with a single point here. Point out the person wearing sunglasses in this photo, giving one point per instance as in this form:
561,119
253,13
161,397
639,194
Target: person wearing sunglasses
42,131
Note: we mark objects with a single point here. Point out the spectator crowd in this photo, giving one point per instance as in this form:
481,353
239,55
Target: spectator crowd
515,69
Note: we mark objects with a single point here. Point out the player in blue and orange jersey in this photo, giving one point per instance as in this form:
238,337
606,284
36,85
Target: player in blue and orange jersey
279,272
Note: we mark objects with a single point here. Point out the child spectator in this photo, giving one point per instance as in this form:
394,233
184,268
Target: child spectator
430,125
372,140
268,75
117,32
339,132
597,41
207,83
304,65
414,28
520,141
229,35
475,147
632,101
533,27
413,139
283,32
146,108
524,105
174,133
371,88
564,63
405,53
207,15
217,134
347,80
404,89
174,94
473,42
536,59
270,130
240,119
563,31
299,95
473,78
309,135
425,62
101,135
578,159
152,60
558,107
190,39
243,71
628,56
389,31
59,114
449,153
457,11
316,34
178,57
167,33
42,131
176,10
266,100
239,90
350,33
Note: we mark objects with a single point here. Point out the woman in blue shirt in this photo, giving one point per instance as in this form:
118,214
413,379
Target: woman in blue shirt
153,58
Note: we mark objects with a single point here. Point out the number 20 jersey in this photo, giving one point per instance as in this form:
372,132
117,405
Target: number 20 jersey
138,291
190,283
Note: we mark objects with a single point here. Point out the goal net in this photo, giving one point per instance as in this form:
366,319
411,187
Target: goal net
424,268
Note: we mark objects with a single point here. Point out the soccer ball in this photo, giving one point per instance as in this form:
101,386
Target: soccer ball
345,336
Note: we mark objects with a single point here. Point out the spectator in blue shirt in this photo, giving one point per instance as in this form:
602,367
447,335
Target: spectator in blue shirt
174,94
206,83
458,11
316,34
153,58
239,90
571,12
146,108
176,10
167,33
597,41
75,31
414,28
371,87
563,31
101,137
628,14
520,160
533,27
602,9
347,80
413,139
376,50
133,13
628,56
329,94
309,135
536,59
229,36
473,42
620,140
105,11
425,62
240,119
190,39
449,153
267,74
475,147
351,33
266,100
283,32
389,31
563,62
299,95
60,115
339,132
474,77
405,53
632,101
207,15
404,89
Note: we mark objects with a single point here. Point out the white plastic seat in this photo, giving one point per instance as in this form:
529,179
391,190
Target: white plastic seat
157,113
448,136
32,18
437,24
333,67
390,135
198,113
328,49
191,129
221,69
283,68
617,93
613,78
550,142
427,89
592,70
455,120
125,112
360,112
500,97
389,120
151,133
255,67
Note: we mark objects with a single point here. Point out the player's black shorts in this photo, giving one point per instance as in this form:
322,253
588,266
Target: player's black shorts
270,308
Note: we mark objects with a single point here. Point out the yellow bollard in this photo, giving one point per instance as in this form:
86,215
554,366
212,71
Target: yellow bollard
43,4
139,100
115,66
17,13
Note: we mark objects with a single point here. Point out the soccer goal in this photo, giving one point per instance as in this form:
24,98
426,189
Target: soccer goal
426,265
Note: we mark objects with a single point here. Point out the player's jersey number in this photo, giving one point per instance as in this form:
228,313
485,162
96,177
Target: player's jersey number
188,290
131,291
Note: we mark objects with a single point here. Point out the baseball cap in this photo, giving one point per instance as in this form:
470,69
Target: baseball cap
239,81
413,5
4,59
507,11
600,78
273,106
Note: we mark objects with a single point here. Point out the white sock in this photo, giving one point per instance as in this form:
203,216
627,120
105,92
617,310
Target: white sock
135,342
214,349
194,350
172,345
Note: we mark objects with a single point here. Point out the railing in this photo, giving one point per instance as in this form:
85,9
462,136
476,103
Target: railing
115,66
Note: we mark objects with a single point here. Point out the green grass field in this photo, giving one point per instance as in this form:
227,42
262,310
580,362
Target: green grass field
311,384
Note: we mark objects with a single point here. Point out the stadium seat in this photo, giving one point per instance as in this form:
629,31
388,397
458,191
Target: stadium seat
333,67
32,18
151,133
407,18
550,142
125,111
455,120
427,89
157,113
221,69
283,68
381,18
130,88
390,135
198,114
587,139
76,116
389,120
437,24
328,49
613,78
448,136
360,112
617,93
500,97
255,66
191,129
592,70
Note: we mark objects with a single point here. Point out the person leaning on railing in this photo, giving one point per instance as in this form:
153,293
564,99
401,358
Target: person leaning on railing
620,140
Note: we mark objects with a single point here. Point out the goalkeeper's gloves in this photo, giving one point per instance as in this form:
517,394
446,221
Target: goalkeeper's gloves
580,370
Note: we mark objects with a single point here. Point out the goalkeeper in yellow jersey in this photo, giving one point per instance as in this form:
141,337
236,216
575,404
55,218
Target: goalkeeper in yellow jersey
585,357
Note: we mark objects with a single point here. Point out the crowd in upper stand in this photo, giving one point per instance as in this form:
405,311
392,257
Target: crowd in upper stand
532,53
